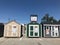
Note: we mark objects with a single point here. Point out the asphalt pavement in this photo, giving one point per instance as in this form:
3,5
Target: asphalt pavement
29,41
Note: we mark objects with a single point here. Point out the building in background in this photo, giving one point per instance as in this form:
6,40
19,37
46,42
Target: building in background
23,30
12,29
33,28
1,29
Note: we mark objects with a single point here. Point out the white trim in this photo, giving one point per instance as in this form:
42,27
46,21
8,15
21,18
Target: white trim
51,31
51,24
44,30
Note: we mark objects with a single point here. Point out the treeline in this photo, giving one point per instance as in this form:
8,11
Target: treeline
49,19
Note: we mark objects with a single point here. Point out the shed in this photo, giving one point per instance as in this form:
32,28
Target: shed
33,30
51,29
12,29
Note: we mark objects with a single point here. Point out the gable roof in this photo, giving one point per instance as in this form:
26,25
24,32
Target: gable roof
12,21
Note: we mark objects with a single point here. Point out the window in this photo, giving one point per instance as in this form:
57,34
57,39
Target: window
14,26
31,33
56,34
52,28
47,27
56,26
53,33
31,27
35,26
36,34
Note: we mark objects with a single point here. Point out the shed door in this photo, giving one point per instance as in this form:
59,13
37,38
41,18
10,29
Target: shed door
36,30
14,30
33,30
54,31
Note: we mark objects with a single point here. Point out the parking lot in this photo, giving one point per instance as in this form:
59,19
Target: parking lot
29,41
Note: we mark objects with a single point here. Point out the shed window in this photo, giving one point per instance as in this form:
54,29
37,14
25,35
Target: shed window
47,27
36,34
31,33
52,28
31,27
14,26
35,26
53,33
56,34
58,27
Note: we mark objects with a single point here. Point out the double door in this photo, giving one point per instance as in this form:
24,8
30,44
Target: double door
33,30
54,31
14,30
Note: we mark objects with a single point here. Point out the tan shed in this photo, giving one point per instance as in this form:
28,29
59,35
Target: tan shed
12,29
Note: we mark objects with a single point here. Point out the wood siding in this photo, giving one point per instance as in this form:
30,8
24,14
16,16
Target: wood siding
8,31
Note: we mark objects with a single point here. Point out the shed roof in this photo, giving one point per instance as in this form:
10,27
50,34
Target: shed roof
12,21
50,22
